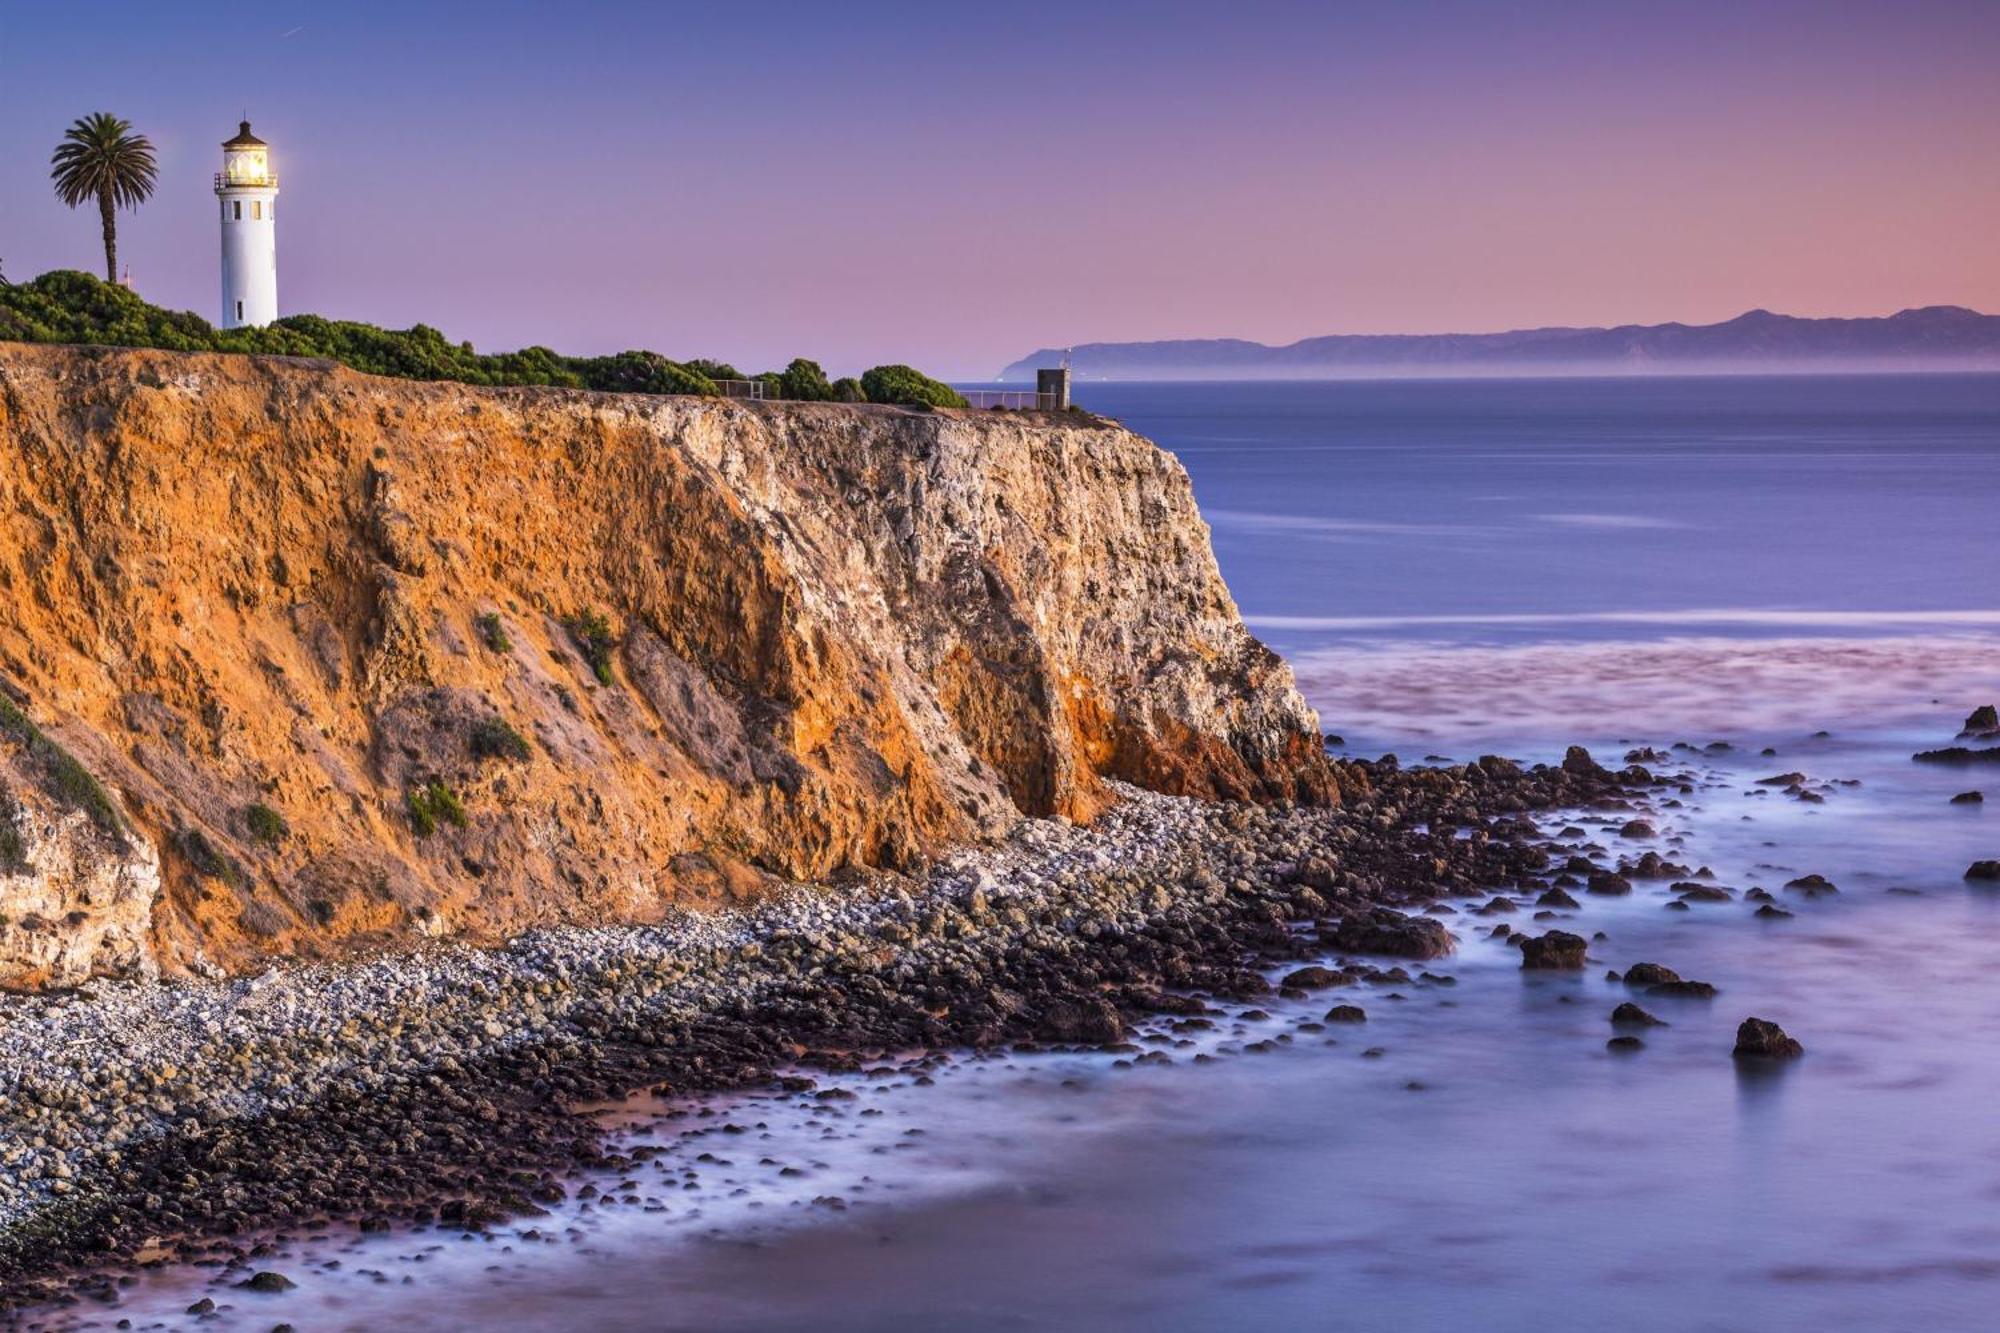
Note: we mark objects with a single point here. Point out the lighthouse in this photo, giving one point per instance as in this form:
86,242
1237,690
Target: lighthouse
248,189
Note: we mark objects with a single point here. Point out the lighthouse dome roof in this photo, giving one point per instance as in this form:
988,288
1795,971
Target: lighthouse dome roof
244,138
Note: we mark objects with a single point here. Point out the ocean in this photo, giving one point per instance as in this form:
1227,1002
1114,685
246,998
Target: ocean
1775,574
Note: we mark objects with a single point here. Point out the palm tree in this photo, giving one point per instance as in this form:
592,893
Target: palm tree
100,158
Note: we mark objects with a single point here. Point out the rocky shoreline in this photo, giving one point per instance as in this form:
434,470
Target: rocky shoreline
141,1123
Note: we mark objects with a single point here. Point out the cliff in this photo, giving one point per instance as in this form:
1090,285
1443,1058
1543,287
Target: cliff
297,661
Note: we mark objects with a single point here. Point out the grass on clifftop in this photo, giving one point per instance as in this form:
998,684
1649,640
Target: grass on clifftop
64,306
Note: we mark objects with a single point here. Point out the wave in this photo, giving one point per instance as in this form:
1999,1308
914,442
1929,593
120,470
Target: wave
1676,688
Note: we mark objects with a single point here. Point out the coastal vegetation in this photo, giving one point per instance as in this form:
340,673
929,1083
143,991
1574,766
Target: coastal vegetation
101,159
65,306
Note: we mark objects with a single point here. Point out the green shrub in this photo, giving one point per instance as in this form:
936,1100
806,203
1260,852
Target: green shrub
495,738
13,842
68,781
65,306
715,370
432,803
594,639
492,633
901,384
265,824
803,381
208,860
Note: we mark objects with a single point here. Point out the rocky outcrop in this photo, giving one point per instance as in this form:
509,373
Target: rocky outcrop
359,660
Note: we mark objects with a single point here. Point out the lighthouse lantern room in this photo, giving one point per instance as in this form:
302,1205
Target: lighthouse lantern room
248,191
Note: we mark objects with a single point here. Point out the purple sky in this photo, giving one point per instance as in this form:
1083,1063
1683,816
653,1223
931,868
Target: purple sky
954,184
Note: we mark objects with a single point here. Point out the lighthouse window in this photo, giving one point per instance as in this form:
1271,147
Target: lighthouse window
257,211
239,310
237,208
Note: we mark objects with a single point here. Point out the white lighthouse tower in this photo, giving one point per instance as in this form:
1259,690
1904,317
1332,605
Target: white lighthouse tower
248,189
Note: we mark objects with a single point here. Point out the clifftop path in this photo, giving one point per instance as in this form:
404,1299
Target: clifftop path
289,616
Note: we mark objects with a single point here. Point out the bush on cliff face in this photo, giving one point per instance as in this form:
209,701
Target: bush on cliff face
62,777
70,307
431,804
901,384
594,639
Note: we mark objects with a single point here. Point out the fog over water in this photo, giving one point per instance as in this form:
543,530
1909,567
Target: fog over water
1453,569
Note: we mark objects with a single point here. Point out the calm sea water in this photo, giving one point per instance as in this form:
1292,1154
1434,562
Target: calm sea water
1454,568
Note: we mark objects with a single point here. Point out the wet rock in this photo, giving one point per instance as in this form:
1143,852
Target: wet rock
1347,1013
1759,1038
1558,949
1812,886
1783,780
1683,990
1983,870
1969,798
1090,1020
1556,898
1625,1044
1694,892
1578,763
1629,1014
1649,974
1771,911
1637,828
1386,931
1313,978
1959,754
268,1282
1983,724
1653,866
1605,883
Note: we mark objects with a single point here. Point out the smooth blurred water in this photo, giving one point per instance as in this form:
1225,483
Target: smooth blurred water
1611,558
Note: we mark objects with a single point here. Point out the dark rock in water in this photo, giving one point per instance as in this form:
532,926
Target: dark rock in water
1683,990
1770,910
1604,882
1387,931
1497,905
1555,898
1089,1019
1702,893
1983,724
1678,906
1637,828
1556,949
1758,896
267,1281
1959,754
1625,1044
1652,866
1812,886
1984,870
1969,798
1762,1039
1649,974
1347,1013
1783,780
1629,1014
1314,978
1577,760
202,1306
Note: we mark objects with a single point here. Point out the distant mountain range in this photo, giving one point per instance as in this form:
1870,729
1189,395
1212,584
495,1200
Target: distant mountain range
1939,337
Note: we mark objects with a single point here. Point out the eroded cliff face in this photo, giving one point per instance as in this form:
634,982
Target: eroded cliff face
274,606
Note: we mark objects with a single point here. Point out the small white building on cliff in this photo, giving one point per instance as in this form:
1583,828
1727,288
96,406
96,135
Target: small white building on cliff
248,190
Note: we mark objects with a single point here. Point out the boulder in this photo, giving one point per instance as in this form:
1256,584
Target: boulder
1386,931
1347,1013
1759,1038
1649,974
1983,724
1556,950
1969,798
1983,870
1629,1014
1313,978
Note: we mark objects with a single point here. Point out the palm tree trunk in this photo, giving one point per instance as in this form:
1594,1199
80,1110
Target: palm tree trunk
105,211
